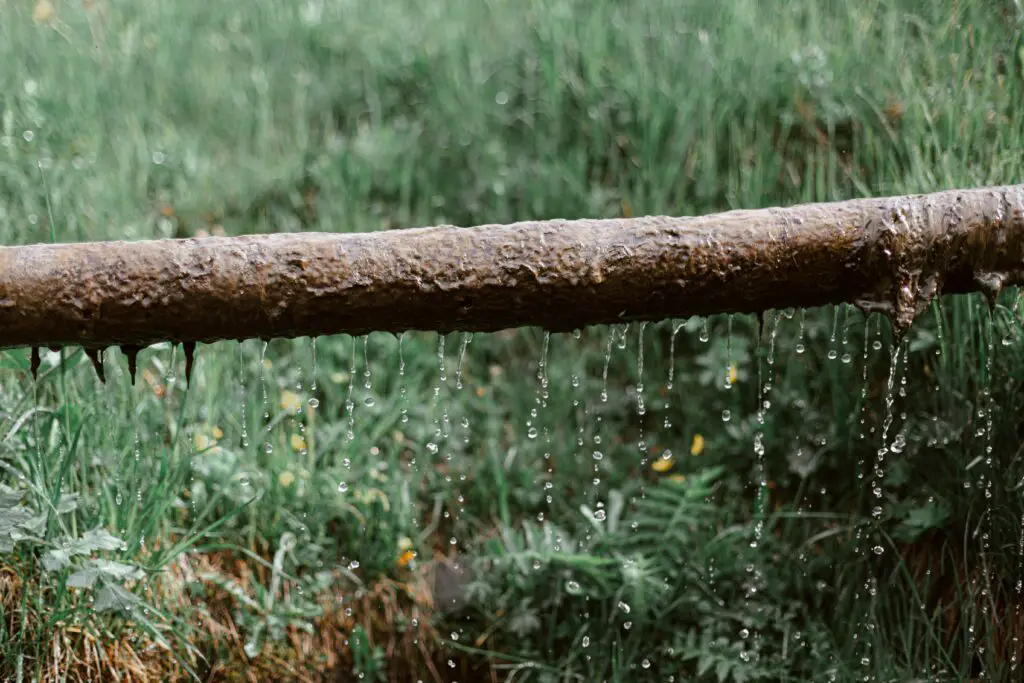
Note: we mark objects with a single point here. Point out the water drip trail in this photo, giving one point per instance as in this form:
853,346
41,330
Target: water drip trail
730,359
464,425
800,347
531,423
245,395
350,404
467,338
846,358
1018,589
596,454
264,434
403,392
764,403
312,372
832,352
877,493
984,413
368,399
607,363
764,388
641,408
670,383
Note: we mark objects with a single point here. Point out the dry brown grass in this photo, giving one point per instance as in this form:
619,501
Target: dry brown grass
394,613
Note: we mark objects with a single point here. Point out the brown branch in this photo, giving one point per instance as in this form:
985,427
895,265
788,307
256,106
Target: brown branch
891,255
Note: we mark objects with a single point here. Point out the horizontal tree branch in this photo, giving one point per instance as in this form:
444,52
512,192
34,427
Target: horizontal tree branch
891,255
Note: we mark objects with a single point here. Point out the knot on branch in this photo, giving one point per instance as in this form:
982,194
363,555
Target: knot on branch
898,252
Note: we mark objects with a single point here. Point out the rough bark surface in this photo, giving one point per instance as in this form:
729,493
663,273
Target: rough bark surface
891,255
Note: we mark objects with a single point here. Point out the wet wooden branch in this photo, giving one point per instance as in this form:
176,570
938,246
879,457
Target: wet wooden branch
891,255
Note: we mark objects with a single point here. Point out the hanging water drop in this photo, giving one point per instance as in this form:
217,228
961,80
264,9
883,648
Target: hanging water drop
467,337
402,392
245,395
607,362
190,354
800,348
312,374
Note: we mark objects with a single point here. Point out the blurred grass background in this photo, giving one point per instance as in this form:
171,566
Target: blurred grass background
473,508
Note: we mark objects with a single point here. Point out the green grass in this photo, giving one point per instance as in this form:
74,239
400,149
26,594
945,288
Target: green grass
254,530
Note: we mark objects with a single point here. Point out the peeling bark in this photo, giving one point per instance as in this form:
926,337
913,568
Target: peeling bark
892,255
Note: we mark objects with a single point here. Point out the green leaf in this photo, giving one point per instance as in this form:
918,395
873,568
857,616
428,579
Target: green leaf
113,597
94,569
59,558
9,497
17,522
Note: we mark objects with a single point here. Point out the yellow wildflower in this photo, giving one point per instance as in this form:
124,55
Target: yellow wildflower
286,478
298,442
664,462
405,552
481,392
202,441
217,433
678,478
43,12
406,557
267,364
339,377
733,373
290,401
697,447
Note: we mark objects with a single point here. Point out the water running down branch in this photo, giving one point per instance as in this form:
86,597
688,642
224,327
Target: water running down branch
892,255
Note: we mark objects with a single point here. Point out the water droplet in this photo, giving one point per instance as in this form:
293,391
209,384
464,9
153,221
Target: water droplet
531,433
369,401
646,663
314,403
726,415
432,447
573,587
598,455
343,487
586,641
